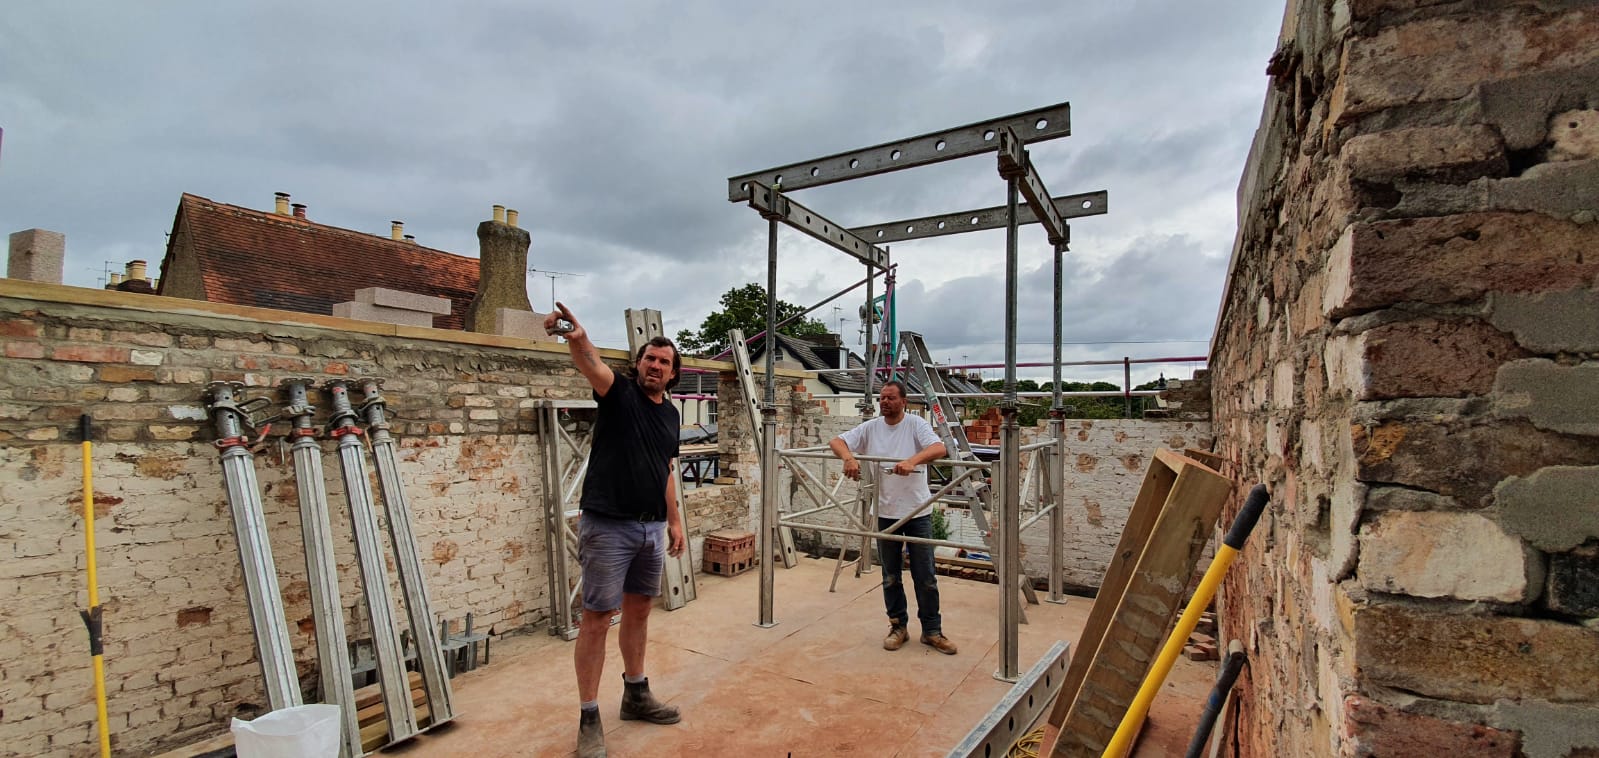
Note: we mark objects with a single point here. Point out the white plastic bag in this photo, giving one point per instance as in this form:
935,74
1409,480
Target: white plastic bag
302,731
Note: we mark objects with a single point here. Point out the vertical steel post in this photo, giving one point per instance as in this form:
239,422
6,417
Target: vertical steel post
769,428
1057,468
321,571
1009,564
413,583
555,523
1127,384
273,648
392,680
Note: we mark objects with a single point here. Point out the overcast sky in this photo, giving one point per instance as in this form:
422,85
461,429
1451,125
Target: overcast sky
614,127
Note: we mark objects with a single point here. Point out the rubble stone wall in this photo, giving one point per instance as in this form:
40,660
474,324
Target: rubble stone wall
1407,355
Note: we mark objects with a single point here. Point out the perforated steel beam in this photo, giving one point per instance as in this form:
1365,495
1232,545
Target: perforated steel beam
1014,160
1036,125
771,203
1066,206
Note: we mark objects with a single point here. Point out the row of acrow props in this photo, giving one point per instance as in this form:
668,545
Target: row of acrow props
763,191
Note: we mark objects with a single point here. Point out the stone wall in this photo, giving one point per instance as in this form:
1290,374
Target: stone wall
1406,355
179,649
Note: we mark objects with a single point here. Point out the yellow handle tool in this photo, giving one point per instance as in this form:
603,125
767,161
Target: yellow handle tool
1122,741
91,617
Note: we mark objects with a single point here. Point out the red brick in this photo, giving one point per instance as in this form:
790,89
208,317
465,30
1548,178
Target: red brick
1377,729
1459,258
1434,358
90,354
27,329
1447,457
24,350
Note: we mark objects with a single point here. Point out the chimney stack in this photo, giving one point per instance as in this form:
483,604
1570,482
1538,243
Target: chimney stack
397,230
282,203
135,280
502,273
510,217
299,210
37,255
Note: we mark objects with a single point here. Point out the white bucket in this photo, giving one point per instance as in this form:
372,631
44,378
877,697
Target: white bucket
302,731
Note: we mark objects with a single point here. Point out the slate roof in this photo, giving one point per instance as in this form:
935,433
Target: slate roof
852,382
268,260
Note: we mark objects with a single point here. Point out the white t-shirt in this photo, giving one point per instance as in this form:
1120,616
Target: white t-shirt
897,496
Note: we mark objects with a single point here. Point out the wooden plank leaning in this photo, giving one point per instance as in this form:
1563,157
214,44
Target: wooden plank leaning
1173,517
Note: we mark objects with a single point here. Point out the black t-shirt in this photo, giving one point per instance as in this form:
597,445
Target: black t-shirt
635,440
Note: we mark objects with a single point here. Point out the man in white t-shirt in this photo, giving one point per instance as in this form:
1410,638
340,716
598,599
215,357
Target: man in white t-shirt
901,491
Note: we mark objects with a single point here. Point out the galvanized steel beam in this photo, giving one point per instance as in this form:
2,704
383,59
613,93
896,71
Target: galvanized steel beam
774,205
1036,125
1066,207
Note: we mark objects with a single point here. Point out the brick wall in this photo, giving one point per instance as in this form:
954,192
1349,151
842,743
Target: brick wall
179,649
1407,355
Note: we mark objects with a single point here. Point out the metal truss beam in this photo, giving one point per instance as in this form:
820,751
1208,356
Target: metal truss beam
771,203
1013,716
1014,160
1066,207
1035,125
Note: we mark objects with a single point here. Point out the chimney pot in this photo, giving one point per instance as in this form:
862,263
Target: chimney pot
396,230
115,280
510,216
282,203
499,214
411,238
136,271
299,210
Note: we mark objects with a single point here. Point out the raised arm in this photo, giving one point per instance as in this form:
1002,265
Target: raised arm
585,356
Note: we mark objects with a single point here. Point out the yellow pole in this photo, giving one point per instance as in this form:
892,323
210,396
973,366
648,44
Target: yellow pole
1121,743
91,617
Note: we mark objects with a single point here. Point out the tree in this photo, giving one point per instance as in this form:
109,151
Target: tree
743,308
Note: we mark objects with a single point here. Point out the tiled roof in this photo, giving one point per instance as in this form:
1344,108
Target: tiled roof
268,260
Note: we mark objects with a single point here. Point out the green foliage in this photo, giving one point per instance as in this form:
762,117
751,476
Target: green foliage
743,308
940,525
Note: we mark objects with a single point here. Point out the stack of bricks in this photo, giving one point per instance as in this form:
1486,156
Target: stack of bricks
985,430
1202,641
729,553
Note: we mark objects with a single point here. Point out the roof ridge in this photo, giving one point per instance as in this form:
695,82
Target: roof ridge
298,223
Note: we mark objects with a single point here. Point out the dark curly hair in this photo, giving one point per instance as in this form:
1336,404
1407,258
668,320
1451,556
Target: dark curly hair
677,360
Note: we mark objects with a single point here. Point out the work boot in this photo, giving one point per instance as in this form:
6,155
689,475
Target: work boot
896,637
638,704
590,735
939,642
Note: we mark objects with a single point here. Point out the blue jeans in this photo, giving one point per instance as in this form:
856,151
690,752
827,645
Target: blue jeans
890,555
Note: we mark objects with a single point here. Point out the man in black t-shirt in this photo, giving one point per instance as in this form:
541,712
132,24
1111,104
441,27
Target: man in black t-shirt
630,519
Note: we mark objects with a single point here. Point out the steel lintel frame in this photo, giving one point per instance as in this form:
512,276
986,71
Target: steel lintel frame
1013,716
1066,207
1049,122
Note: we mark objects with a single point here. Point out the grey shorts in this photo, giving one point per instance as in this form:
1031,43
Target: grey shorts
619,557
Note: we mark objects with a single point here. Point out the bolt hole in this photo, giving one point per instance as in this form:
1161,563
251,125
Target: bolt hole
939,145
974,221
1088,204
910,229
854,163
894,156
941,225
815,171
1042,123
988,135
879,233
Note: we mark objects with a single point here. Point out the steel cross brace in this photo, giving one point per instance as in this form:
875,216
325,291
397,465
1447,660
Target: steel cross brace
1066,206
1049,122
773,204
